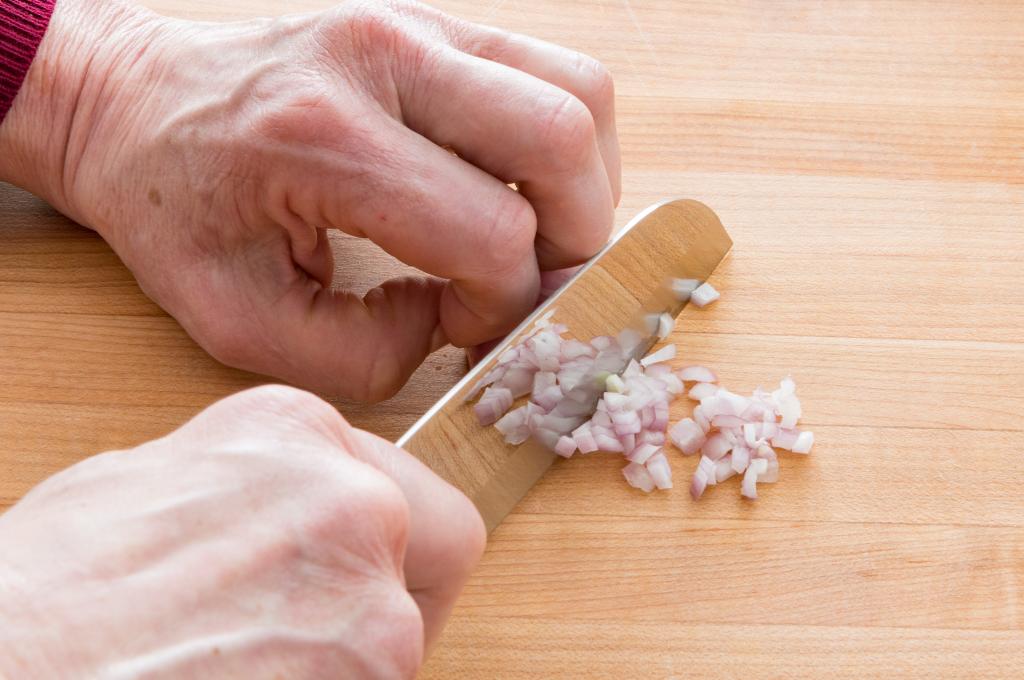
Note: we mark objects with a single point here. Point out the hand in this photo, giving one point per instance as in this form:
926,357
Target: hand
213,158
266,538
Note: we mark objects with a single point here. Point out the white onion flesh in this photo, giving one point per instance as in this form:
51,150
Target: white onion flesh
661,473
664,354
700,374
683,288
704,295
665,324
740,458
804,442
687,435
749,486
565,447
638,477
702,390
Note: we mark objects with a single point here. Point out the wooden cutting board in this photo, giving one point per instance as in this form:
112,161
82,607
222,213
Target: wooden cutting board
867,161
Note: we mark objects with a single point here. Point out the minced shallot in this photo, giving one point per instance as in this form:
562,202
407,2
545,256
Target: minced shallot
593,396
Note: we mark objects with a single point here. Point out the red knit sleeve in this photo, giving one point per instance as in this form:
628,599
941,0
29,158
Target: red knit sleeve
22,25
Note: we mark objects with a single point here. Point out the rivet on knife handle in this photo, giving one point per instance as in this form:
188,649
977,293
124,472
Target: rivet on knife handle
617,289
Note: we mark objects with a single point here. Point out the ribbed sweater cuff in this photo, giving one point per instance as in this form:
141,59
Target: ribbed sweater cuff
22,25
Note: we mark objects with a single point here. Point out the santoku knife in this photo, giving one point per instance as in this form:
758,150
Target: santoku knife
621,287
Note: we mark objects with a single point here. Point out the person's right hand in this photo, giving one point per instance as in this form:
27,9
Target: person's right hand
266,538
213,157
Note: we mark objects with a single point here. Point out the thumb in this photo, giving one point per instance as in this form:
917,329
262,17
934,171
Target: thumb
341,345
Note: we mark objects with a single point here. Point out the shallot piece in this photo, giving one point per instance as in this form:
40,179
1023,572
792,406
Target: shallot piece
565,447
704,295
724,469
702,390
661,473
704,475
683,288
757,467
638,477
687,435
804,442
632,417
699,374
664,354
665,324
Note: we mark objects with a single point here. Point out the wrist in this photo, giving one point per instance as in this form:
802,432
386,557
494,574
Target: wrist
48,124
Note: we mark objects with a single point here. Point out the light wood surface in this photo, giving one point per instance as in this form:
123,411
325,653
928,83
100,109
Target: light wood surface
868,161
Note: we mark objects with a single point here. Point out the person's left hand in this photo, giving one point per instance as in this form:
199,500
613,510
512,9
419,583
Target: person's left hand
214,157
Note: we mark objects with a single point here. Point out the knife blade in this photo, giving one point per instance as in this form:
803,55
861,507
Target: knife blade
620,288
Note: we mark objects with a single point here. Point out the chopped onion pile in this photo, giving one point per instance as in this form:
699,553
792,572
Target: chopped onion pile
581,399
736,434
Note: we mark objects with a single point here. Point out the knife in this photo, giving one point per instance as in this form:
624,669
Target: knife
634,278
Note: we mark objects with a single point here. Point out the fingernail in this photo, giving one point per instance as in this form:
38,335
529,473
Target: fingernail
438,339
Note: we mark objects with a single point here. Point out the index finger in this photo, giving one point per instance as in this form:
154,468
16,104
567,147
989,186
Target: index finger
440,214
519,129
578,74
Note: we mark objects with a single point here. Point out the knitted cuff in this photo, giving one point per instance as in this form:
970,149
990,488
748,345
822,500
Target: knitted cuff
22,25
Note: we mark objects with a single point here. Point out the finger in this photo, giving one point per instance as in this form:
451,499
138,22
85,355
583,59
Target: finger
582,76
434,211
578,74
360,348
520,129
333,342
549,283
446,533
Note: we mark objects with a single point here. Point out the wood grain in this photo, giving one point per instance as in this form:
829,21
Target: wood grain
868,160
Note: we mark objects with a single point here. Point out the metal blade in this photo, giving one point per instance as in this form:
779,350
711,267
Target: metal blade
619,288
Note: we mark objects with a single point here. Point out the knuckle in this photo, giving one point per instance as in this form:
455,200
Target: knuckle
359,506
598,86
284,412
404,634
392,641
370,26
295,113
293,403
567,132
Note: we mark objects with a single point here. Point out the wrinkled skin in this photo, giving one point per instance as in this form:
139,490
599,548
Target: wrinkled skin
214,158
266,538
